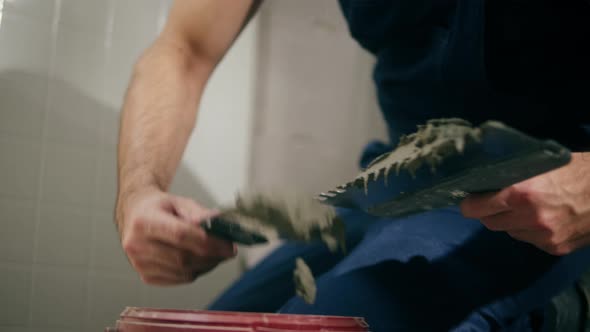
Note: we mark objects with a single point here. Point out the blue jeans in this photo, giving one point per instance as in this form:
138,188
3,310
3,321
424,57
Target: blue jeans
435,271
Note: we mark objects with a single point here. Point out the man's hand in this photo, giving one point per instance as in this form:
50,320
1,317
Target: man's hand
550,211
162,238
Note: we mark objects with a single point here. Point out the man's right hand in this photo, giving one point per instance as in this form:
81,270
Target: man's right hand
160,234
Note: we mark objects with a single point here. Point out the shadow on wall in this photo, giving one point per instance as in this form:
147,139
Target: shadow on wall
57,193
14,88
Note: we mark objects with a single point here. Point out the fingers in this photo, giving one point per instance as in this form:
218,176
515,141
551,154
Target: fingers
164,242
161,264
172,258
500,222
176,233
478,206
190,211
194,213
515,220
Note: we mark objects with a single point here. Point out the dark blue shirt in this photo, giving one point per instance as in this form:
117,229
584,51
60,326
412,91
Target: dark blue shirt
522,62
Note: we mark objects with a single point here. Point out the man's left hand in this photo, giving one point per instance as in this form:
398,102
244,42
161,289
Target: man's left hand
550,211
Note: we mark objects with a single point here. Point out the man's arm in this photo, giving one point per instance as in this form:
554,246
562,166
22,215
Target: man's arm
158,230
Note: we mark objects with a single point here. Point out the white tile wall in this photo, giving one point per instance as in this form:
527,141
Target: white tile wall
16,329
23,104
70,114
106,186
39,10
59,298
16,240
14,294
68,174
106,252
64,68
109,295
22,107
189,297
19,173
84,14
63,236
29,40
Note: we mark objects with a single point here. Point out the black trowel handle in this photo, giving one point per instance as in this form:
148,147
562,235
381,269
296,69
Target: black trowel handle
232,231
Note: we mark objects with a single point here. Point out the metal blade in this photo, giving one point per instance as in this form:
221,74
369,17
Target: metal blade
501,157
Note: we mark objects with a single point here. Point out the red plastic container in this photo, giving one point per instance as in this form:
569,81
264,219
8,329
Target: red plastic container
162,320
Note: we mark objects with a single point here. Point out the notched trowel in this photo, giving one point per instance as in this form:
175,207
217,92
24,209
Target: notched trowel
442,163
438,166
259,216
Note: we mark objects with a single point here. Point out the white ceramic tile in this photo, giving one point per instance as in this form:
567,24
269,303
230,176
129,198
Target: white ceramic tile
24,66
72,116
107,178
107,253
85,14
143,28
19,167
188,184
25,45
109,296
59,298
80,59
17,218
63,236
196,295
14,295
118,70
38,9
110,127
22,103
165,6
69,174
129,39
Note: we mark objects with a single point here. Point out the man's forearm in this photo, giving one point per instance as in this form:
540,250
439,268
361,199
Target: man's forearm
158,229
158,116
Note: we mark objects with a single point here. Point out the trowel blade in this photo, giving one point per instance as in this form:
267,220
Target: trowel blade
503,156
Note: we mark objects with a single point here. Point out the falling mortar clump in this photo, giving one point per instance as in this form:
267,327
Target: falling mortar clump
293,217
288,216
304,282
431,144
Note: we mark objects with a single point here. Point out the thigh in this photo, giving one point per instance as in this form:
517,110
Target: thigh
439,271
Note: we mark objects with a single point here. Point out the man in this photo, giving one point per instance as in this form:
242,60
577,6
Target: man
521,62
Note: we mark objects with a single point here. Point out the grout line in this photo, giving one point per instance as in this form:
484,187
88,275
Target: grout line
15,264
108,43
99,150
261,74
52,57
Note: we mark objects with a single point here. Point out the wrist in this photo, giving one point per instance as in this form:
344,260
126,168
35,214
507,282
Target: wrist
126,195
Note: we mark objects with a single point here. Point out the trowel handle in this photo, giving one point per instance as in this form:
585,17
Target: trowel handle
232,231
